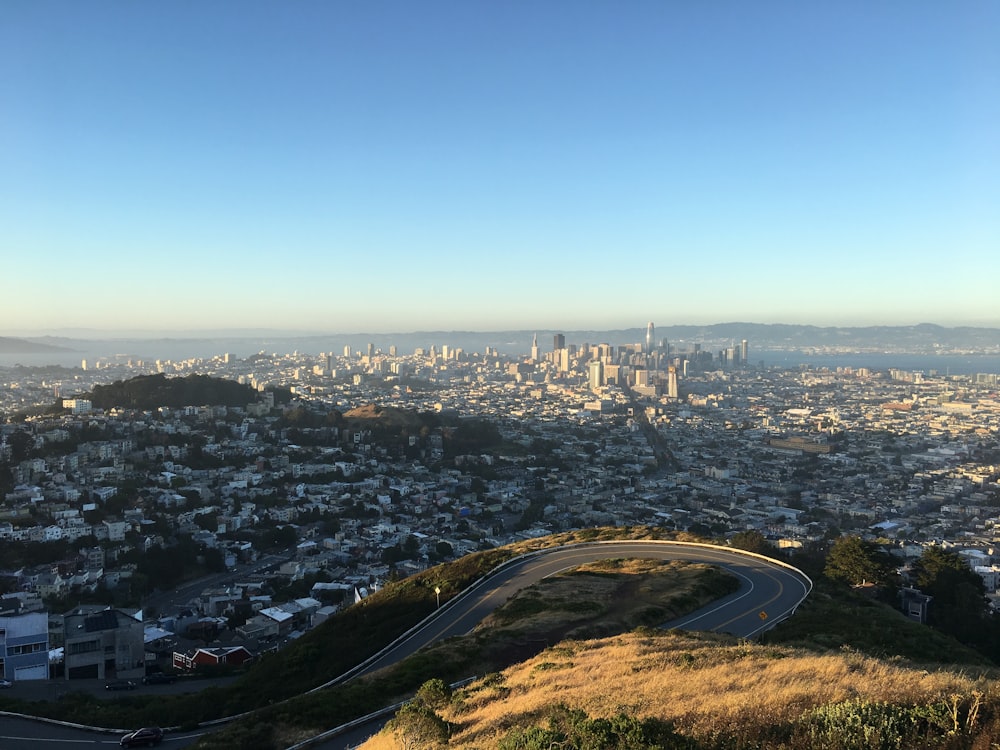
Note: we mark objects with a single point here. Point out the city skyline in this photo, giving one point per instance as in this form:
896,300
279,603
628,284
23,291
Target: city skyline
482,167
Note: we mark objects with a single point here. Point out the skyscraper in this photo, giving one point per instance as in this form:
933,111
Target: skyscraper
534,348
558,342
596,378
649,338
672,382
744,352
562,359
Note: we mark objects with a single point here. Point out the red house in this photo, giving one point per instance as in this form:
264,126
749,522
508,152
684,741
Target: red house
199,657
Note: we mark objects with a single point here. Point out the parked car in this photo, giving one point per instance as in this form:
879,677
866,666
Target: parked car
159,678
6,684
145,737
119,685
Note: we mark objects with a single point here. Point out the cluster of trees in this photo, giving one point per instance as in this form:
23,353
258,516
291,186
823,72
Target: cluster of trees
409,549
391,428
154,391
471,437
958,607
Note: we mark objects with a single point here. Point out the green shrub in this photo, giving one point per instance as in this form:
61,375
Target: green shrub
571,729
868,725
532,738
434,694
417,726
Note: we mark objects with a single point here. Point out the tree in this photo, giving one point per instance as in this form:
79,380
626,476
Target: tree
752,541
472,436
207,521
21,445
434,694
854,561
279,537
443,551
411,547
213,560
960,602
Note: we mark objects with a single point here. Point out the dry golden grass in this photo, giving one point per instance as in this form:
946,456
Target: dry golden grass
702,684
382,741
611,596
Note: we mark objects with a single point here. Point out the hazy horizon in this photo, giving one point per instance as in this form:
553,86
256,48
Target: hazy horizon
257,332
481,166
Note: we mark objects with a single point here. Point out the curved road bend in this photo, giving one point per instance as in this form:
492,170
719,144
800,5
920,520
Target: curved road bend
769,592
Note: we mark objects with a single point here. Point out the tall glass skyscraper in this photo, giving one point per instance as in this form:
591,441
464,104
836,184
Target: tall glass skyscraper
649,338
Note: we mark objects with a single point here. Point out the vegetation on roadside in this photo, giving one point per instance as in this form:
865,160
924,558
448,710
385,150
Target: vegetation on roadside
835,617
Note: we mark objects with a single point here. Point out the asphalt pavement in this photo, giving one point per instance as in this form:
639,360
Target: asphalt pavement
52,690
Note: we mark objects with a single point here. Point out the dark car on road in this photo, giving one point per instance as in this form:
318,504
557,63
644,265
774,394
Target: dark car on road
145,737
119,685
159,678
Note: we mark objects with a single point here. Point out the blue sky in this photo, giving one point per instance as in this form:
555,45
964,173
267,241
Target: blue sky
401,166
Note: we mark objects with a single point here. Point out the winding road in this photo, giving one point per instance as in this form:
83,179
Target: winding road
769,592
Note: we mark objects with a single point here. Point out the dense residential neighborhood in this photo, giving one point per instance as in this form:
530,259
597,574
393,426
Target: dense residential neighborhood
343,472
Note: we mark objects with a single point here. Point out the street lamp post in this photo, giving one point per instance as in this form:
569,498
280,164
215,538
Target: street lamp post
437,591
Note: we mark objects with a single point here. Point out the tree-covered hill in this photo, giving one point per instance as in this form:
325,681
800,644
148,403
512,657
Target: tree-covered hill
154,391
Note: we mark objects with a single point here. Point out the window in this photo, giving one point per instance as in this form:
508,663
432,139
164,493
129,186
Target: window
26,648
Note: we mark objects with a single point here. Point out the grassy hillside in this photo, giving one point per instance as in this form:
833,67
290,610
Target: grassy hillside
845,672
714,692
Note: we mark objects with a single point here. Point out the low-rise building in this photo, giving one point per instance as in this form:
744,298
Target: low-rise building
103,644
24,647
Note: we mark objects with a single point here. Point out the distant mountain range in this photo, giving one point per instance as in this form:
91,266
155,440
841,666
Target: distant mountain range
925,338
24,346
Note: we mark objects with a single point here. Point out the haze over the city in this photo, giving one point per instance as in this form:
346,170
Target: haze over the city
497,166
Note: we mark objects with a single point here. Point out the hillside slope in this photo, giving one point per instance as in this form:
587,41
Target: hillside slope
716,692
